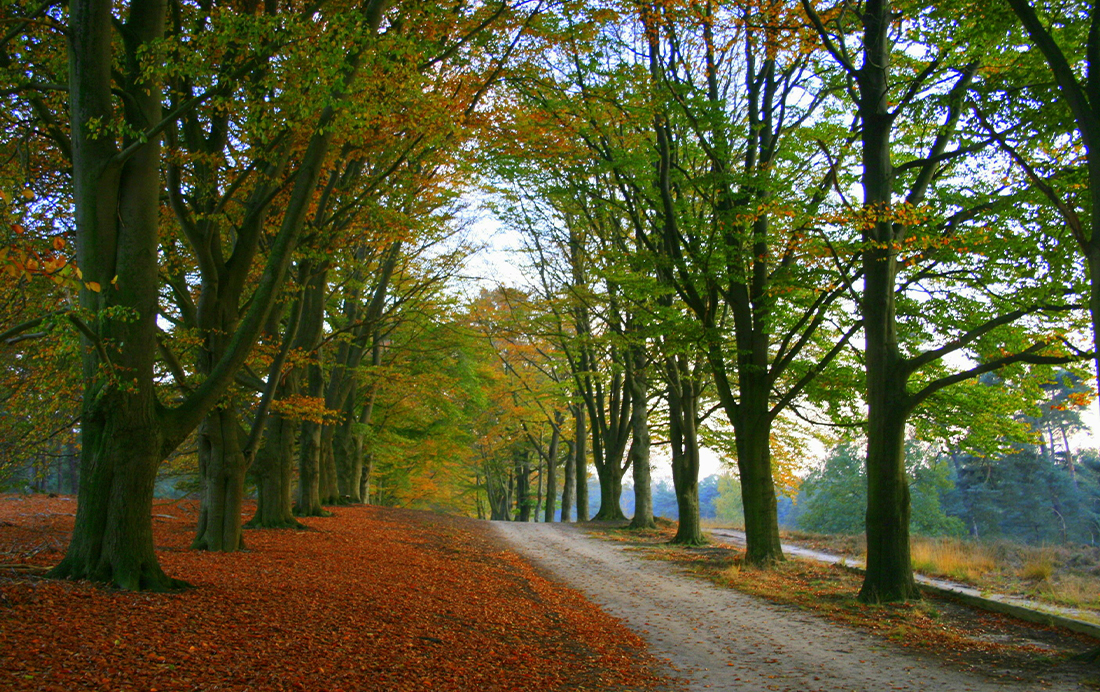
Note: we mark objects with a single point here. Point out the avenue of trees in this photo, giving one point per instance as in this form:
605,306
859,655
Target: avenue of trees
237,243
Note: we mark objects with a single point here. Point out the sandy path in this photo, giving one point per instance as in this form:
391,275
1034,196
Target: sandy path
719,639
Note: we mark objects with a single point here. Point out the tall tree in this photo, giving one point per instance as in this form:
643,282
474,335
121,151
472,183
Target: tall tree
893,84
126,431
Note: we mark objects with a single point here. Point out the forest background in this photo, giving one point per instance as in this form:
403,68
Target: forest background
236,240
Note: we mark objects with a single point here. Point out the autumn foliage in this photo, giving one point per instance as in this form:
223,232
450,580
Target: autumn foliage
371,599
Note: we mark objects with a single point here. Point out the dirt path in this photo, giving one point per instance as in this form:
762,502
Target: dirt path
719,639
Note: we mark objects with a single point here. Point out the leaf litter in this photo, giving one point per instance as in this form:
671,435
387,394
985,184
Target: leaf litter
370,599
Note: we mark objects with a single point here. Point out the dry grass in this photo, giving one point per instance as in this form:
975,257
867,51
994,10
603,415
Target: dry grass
1039,567
1074,590
1063,575
959,560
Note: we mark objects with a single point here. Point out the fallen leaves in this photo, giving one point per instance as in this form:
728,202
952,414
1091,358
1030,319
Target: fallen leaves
372,599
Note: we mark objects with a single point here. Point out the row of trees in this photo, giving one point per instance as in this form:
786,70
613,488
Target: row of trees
754,212
230,174
741,217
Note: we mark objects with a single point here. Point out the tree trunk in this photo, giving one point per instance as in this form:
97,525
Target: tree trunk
611,491
580,462
552,467
123,437
308,502
610,436
752,430
112,539
273,470
683,401
309,453
222,468
639,447
538,488
889,575
569,487
347,448
523,485
367,476
329,488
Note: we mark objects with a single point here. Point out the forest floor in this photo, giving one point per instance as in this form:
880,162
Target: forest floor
369,599
802,628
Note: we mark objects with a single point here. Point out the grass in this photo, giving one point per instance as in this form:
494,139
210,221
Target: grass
1037,568
965,562
1060,575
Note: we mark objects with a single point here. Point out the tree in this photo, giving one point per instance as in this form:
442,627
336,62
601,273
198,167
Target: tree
902,373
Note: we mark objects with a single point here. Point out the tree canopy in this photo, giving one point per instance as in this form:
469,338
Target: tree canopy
236,237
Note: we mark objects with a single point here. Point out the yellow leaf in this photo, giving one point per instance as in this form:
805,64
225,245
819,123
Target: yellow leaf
28,194
92,286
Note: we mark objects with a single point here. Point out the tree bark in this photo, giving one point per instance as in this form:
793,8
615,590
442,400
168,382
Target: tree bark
117,202
552,467
329,488
274,474
523,484
889,575
569,487
639,447
683,401
222,468
308,502
580,462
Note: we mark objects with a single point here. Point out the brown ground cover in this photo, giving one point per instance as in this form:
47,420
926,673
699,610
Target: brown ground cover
370,599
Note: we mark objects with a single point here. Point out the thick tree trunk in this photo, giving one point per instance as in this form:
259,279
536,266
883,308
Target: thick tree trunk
308,503
611,491
523,485
367,477
552,468
112,539
752,430
347,448
222,467
610,436
274,474
889,574
117,201
329,487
